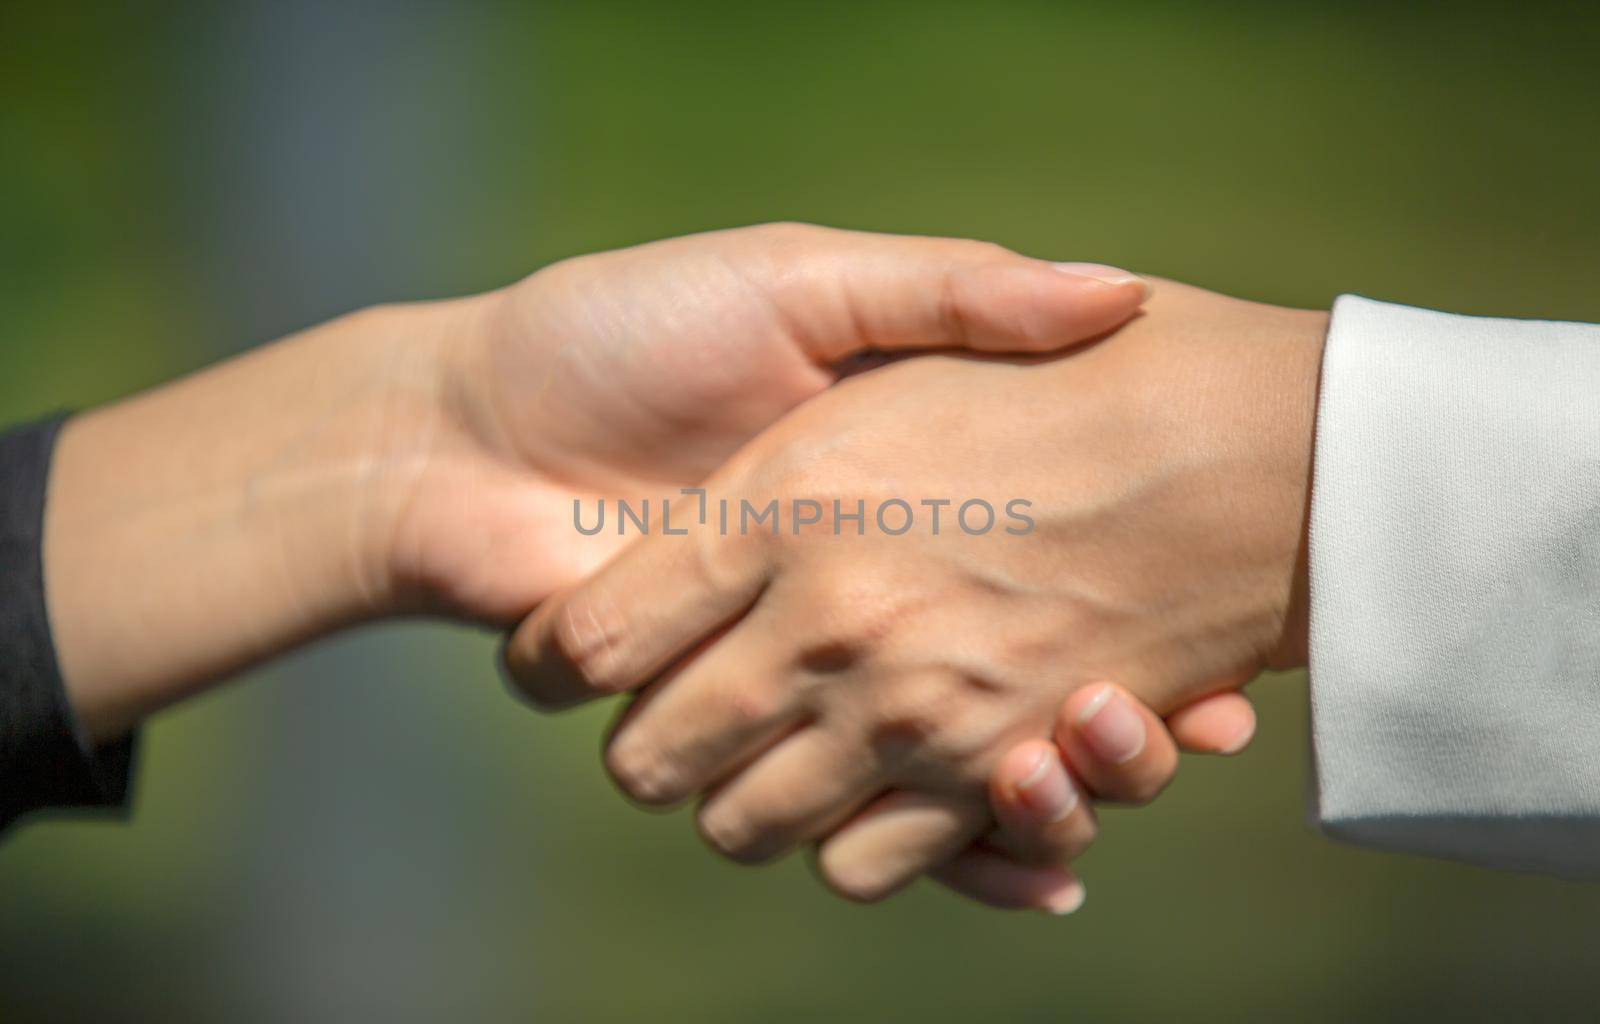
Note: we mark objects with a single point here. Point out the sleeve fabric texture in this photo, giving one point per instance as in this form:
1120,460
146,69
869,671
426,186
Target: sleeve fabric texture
43,762
1455,587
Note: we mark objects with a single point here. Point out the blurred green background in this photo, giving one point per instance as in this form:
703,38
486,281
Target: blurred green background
374,830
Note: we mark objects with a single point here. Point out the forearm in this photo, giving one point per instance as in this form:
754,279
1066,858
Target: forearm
198,528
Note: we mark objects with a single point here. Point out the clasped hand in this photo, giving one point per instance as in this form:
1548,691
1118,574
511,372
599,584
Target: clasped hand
1124,536
851,676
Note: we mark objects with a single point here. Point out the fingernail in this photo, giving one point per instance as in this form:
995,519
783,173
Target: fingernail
1065,900
1104,274
1112,729
1046,791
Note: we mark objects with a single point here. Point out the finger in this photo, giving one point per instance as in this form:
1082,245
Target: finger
634,617
995,880
1223,723
800,789
1118,748
843,292
898,837
699,722
1043,816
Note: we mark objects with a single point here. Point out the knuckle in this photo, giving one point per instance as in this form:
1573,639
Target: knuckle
853,611
588,634
923,719
865,609
785,246
752,704
955,309
984,250
783,471
717,560
787,231
849,623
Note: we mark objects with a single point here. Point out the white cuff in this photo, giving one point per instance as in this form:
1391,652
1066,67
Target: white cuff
1455,587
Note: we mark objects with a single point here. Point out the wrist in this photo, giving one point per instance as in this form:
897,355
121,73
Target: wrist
468,492
1300,383
198,528
408,421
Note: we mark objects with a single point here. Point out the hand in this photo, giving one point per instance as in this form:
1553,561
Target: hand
426,457
1118,751
857,686
632,373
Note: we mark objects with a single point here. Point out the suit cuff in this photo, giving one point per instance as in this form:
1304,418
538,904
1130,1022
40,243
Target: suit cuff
1455,587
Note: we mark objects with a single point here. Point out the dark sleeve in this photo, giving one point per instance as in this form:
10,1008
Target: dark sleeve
42,761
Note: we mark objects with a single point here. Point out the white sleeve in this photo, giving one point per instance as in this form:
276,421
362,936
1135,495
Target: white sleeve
1455,587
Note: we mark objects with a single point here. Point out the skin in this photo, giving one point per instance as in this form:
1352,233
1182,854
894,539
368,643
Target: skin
423,459
1041,791
859,691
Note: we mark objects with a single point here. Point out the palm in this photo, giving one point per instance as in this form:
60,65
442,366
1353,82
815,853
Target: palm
626,375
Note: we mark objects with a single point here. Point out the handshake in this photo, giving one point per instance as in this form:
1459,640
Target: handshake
874,595
906,548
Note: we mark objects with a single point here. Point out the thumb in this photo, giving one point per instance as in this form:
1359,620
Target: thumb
847,292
